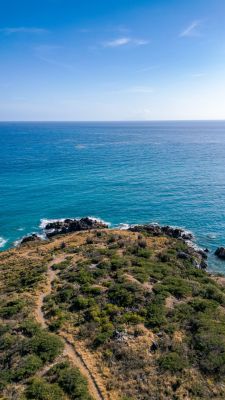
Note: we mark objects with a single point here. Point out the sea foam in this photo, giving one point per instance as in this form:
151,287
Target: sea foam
44,222
3,242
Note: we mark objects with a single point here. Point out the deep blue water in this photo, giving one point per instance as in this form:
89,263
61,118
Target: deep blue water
171,173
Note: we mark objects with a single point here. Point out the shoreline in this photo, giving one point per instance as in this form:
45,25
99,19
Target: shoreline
63,226
47,226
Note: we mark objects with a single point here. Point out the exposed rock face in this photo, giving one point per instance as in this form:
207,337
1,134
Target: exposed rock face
30,238
72,225
183,255
220,252
157,230
203,253
203,264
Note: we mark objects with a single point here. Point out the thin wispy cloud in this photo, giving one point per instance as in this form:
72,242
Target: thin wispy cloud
135,90
117,42
49,54
22,29
191,30
123,41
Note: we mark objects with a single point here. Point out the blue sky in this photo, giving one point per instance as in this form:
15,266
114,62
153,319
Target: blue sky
112,59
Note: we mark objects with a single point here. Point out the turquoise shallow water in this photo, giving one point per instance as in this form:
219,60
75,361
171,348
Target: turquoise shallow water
167,172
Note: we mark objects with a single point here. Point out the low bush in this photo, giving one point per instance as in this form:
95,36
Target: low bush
156,314
27,367
176,286
172,362
45,345
40,389
71,381
11,308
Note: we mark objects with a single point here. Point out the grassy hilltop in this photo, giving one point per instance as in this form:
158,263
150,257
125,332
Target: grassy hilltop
109,314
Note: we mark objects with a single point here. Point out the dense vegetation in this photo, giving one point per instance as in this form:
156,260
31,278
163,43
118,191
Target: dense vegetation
152,322
27,351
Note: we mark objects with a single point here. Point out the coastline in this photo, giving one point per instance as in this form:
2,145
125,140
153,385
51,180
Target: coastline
56,227
214,264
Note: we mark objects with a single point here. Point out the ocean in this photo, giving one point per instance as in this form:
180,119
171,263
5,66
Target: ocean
124,173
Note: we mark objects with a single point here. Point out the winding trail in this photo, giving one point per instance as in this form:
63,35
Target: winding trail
96,388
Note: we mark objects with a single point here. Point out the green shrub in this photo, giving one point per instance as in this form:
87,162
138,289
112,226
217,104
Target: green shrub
213,293
172,362
118,263
5,379
79,303
64,294
176,286
56,324
27,367
4,328
29,328
121,295
132,318
156,314
45,345
11,308
29,277
141,252
164,257
203,306
7,341
39,389
71,381
101,338
61,266
84,277
209,342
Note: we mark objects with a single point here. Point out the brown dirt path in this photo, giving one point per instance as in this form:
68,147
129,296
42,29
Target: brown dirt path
96,388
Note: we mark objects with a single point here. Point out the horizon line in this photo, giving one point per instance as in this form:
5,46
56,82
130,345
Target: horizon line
113,121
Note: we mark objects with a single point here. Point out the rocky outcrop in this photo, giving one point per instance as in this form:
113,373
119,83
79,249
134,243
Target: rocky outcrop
72,225
30,238
220,252
157,230
197,256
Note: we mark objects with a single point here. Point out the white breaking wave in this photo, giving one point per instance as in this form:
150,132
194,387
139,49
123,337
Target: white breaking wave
17,242
99,220
123,227
194,245
212,235
3,242
44,222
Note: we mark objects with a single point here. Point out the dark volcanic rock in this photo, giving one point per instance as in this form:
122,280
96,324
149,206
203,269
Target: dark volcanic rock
154,346
203,264
203,254
220,252
30,238
72,225
196,256
157,230
183,255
